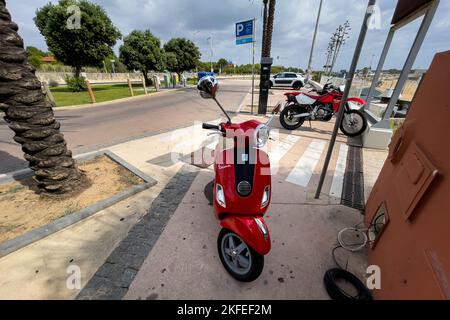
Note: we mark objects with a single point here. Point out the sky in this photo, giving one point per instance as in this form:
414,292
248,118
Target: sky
293,30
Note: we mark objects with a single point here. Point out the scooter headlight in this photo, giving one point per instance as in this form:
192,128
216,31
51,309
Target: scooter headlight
265,198
220,196
262,135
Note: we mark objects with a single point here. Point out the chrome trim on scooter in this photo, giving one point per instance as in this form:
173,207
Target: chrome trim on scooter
262,228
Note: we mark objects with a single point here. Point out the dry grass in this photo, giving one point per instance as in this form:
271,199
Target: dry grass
408,91
23,210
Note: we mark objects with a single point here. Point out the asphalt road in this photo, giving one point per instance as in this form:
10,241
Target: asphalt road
88,129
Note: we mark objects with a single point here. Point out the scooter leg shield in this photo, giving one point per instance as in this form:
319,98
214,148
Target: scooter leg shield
252,232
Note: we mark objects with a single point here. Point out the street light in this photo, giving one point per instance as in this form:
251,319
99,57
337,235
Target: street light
314,43
210,40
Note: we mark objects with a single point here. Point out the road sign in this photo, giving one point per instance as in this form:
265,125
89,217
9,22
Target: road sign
245,32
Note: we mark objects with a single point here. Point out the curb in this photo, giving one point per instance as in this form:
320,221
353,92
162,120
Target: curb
27,173
64,222
241,106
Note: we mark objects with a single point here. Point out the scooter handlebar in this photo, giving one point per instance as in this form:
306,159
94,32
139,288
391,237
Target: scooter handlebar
208,126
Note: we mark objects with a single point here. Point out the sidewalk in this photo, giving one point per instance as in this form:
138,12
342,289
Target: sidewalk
169,231
184,264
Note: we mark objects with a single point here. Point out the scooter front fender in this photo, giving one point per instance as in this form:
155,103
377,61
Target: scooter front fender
252,232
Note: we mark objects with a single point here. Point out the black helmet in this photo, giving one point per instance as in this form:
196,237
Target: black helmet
208,86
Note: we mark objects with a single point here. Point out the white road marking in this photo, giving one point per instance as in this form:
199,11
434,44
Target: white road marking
339,172
280,151
302,173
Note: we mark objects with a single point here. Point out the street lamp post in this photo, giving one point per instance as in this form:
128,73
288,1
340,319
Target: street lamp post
308,77
210,40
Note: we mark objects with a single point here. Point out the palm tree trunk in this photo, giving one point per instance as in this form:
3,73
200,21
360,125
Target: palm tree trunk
270,21
30,115
264,33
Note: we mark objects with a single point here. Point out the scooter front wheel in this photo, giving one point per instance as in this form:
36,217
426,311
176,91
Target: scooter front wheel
242,262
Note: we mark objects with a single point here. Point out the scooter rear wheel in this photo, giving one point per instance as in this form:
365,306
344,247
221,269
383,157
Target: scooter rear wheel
242,262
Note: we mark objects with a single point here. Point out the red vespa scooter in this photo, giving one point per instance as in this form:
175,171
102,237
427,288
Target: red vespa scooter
241,191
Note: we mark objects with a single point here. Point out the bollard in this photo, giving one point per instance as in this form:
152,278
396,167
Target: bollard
156,82
91,93
130,86
144,84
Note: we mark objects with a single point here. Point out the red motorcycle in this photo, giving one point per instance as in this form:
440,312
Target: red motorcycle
241,191
322,107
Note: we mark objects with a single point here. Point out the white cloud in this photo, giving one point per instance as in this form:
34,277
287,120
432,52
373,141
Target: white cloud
294,25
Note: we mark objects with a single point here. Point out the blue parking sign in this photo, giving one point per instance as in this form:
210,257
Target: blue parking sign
244,32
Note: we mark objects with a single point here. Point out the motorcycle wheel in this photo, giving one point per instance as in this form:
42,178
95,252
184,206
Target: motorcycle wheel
354,123
241,262
288,121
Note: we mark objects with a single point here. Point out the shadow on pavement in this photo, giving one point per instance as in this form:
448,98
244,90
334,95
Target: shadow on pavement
9,163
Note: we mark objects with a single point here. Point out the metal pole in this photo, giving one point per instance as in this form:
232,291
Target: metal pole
308,77
377,75
351,74
253,66
210,39
427,20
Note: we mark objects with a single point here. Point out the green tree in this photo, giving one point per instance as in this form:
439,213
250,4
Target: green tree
222,63
30,115
33,51
142,51
171,62
203,66
119,67
85,45
35,56
186,52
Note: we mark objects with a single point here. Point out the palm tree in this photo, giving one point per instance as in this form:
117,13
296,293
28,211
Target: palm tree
269,27
264,33
30,115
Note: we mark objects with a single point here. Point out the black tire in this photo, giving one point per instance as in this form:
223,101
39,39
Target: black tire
360,118
336,293
270,85
297,85
256,265
287,122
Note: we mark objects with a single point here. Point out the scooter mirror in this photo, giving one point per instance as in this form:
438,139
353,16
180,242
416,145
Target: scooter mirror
208,87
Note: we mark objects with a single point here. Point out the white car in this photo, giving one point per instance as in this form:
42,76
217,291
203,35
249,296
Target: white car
288,80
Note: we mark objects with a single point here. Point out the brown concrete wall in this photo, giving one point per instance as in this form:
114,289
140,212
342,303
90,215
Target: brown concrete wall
413,250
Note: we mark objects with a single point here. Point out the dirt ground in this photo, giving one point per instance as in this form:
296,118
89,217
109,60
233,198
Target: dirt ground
408,92
22,210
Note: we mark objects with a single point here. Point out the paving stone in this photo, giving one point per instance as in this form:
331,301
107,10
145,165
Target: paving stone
112,280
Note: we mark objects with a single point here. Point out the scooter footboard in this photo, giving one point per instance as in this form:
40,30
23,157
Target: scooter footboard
252,230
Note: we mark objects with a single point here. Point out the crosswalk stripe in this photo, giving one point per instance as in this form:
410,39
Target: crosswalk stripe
339,172
280,151
302,173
